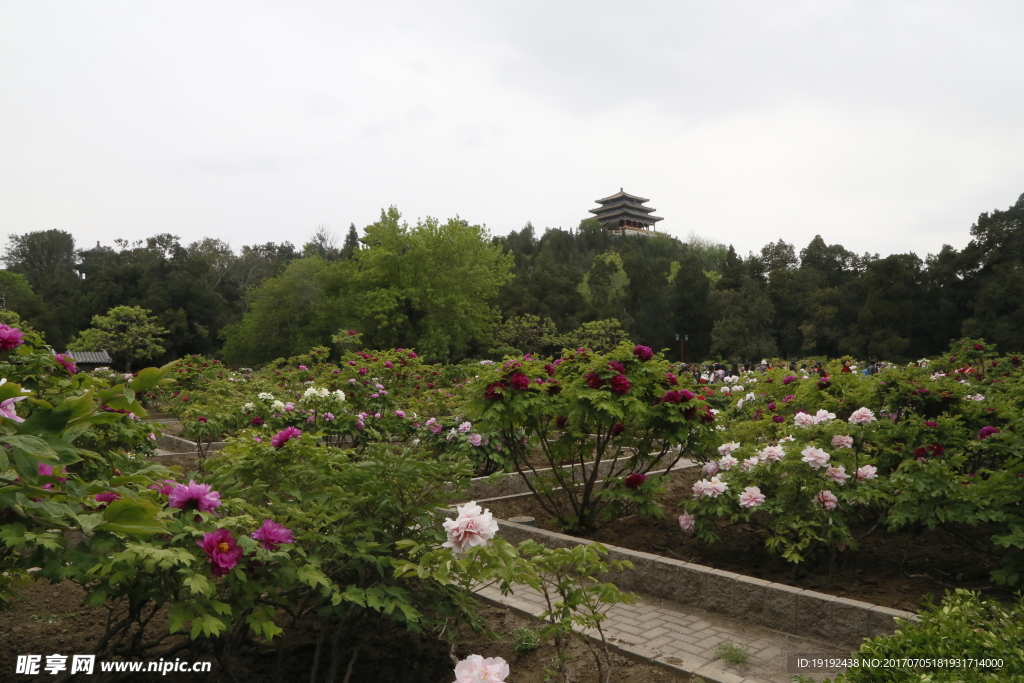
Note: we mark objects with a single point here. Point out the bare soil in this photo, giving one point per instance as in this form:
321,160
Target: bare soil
896,570
51,619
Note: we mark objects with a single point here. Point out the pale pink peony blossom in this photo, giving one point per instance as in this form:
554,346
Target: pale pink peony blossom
686,522
815,457
823,416
842,441
7,409
712,488
837,474
465,427
862,416
710,467
475,439
474,526
803,420
827,500
727,462
749,464
772,453
867,472
751,497
728,448
476,669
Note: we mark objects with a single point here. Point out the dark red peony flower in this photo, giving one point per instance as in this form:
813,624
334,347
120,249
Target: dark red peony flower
778,419
617,429
493,391
690,413
519,381
616,366
671,378
929,423
594,380
554,389
642,352
257,421
671,397
979,347
620,384
561,421
550,369
986,432
634,480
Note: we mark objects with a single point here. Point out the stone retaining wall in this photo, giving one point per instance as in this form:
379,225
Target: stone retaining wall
806,613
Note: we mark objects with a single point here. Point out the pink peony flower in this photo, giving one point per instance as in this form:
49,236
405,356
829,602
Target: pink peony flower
67,362
727,462
351,333
222,549
749,464
284,436
788,378
710,467
867,472
862,416
772,453
399,413
475,439
107,497
476,669
686,522
642,352
827,500
472,527
271,535
823,416
10,338
166,487
728,448
303,367
620,384
837,474
815,457
751,497
803,420
710,487
465,427
842,441
634,480
205,499
7,409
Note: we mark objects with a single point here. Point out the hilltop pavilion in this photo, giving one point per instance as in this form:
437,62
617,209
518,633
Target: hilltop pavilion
625,214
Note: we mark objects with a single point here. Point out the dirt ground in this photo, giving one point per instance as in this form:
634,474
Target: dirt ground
51,619
895,570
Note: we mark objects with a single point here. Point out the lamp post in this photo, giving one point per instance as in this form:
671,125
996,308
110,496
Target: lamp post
682,339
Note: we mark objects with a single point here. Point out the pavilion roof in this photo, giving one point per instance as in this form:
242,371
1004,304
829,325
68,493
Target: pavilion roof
621,195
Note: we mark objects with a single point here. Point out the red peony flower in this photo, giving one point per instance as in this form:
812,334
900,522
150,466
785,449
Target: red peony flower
634,480
616,366
519,381
617,429
642,352
492,392
594,380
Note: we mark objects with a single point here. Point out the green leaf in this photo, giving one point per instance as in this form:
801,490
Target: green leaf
148,378
32,445
133,517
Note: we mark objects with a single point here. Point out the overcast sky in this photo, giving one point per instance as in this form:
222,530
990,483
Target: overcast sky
883,126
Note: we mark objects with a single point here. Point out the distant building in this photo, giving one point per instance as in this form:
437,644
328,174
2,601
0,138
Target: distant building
625,214
87,361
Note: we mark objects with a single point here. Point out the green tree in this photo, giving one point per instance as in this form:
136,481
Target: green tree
606,286
525,334
598,335
127,332
351,245
743,330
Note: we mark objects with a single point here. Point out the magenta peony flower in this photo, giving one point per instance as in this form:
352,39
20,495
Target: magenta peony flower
166,487
224,552
778,419
107,497
686,522
7,409
788,378
986,432
616,366
351,333
271,535
620,384
617,428
205,499
634,480
472,527
67,362
642,352
48,471
10,338
751,497
671,378
256,421
519,381
303,367
929,423
284,436
476,669
412,354
202,419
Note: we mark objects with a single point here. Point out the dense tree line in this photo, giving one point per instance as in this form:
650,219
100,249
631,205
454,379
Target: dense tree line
452,291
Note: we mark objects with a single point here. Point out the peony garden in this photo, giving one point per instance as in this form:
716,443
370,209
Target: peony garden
327,522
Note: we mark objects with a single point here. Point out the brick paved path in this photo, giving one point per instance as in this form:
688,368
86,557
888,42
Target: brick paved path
685,638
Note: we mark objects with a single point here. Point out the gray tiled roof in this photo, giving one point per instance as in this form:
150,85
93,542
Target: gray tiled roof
98,357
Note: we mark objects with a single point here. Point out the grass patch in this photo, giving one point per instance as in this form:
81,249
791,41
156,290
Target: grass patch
733,654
